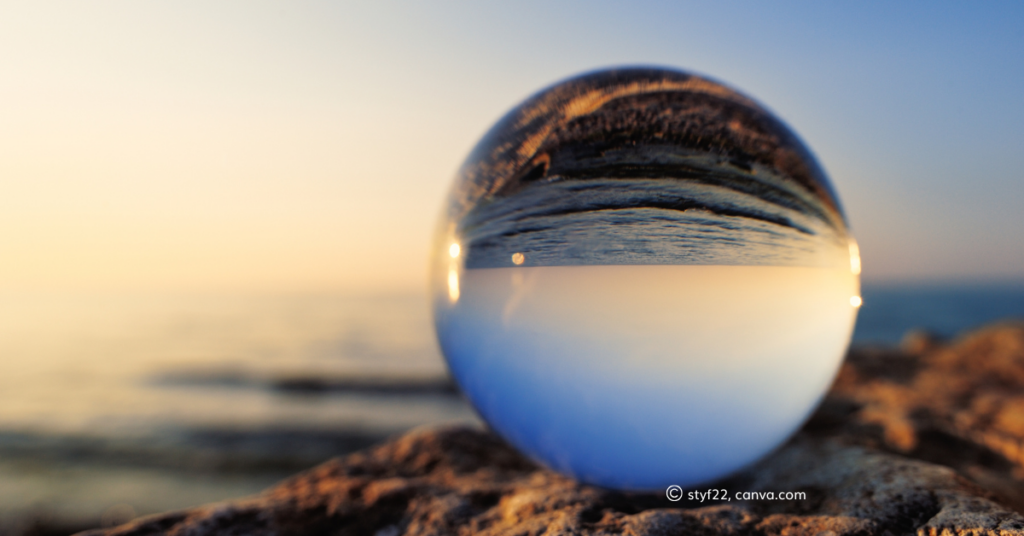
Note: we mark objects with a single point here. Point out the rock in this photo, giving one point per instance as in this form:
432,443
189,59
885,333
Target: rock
925,441
959,405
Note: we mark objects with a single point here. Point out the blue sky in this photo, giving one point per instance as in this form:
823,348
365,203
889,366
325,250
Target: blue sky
308,145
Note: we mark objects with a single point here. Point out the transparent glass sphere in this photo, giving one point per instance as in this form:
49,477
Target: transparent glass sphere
641,277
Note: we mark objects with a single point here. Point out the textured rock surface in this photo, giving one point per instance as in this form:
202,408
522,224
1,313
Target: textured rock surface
922,440
959,405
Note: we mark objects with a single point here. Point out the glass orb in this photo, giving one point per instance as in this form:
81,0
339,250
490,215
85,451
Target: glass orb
642,277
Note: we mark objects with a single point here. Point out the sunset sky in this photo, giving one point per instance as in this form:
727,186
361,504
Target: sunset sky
308,145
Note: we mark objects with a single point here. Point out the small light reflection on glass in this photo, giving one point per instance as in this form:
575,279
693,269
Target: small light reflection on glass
453,284
854,258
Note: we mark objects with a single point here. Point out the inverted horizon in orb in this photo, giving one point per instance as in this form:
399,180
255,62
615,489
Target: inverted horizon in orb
624,248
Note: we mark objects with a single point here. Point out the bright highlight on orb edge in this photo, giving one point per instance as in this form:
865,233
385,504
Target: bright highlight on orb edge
856,301
453,285
454,250
854,258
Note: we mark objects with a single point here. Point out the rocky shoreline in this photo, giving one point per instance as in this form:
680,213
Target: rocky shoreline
927,438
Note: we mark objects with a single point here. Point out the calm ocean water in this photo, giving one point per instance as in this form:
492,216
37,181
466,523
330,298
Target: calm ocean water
945,310
117,406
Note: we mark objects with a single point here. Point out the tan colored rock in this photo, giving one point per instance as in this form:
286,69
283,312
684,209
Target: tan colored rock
907,442
960,405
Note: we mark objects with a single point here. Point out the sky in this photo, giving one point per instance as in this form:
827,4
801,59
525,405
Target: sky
308,146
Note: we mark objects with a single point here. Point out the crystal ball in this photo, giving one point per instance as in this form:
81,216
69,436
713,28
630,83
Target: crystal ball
641,277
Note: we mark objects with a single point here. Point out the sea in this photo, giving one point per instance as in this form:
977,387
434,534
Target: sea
114,406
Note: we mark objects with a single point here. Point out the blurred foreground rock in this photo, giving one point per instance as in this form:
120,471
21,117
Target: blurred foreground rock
925,439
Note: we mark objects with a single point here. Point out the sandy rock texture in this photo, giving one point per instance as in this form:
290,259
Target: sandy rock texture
924,439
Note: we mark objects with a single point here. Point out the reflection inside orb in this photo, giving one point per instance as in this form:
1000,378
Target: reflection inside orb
732,354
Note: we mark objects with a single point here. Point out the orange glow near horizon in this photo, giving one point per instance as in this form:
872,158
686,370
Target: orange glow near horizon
309,147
